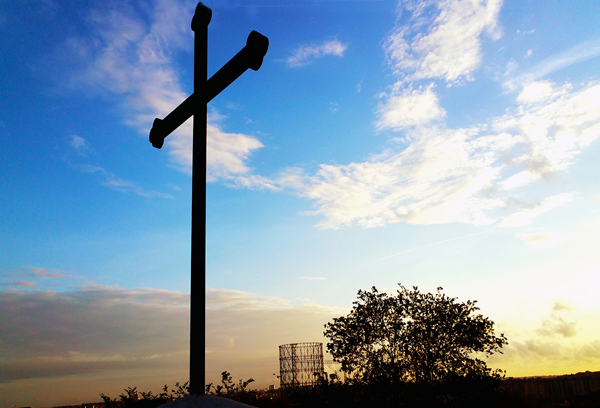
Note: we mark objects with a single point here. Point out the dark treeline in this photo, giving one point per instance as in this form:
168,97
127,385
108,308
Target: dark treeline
330,392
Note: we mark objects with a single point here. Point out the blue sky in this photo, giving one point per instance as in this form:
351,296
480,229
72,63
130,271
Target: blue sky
432,143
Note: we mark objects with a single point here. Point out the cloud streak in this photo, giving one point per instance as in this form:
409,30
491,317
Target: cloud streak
408,107
450,47
116,183
579,53
79,145
307,54
427,246
29,277
539,240
438,178
525,216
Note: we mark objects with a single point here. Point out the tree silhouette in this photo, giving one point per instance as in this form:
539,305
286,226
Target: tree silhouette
413,337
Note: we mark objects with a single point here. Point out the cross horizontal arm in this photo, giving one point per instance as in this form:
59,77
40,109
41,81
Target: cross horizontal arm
251,56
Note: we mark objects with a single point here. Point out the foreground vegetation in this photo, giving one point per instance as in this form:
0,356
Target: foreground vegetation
331,392
131,397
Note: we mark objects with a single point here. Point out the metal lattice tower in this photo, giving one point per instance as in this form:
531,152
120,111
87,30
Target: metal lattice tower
298,363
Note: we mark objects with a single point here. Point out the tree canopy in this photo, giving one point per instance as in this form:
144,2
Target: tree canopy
413,337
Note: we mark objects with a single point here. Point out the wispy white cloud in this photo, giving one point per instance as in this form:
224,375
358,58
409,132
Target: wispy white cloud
290,178
29,277
116,183
45,273
536,92
441,39
441,176
426,246
126,186
79,144
134,59
257,182
227,153
556,124
542,239
32,278
19,283
579,53
408,107
108,178
307,54
525,216
525,32
221,299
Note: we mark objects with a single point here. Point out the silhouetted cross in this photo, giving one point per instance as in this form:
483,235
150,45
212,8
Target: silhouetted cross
251,56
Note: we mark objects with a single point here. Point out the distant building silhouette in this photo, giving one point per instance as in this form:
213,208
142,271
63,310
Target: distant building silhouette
300,365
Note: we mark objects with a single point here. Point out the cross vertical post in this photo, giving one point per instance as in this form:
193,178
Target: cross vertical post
200,23
249,57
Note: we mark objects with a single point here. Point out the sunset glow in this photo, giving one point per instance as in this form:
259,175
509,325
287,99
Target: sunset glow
430,143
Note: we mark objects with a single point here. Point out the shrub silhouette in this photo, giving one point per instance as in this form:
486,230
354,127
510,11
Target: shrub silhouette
132,398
